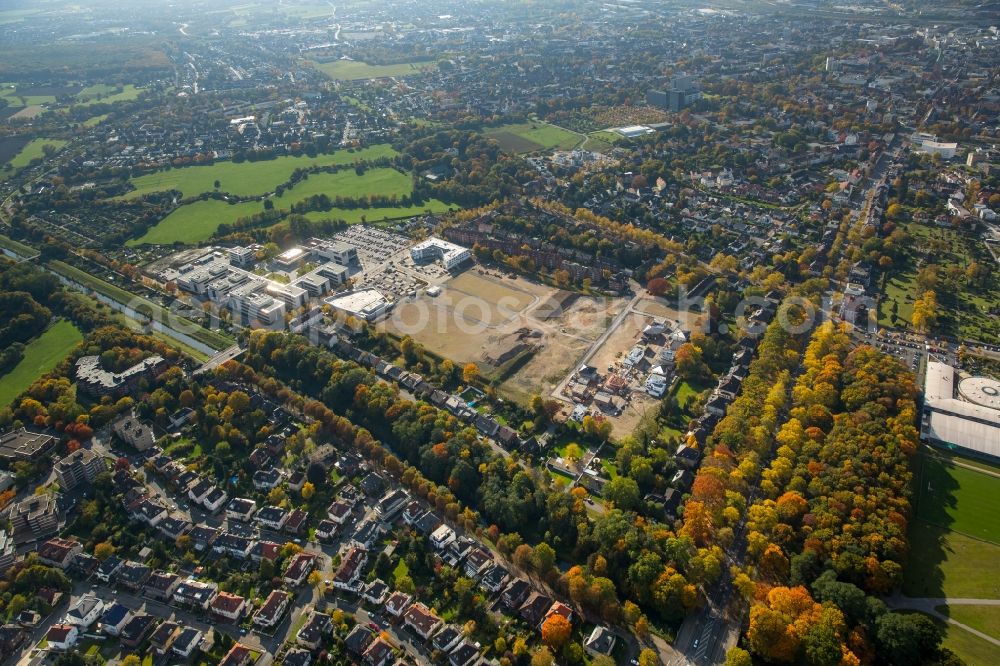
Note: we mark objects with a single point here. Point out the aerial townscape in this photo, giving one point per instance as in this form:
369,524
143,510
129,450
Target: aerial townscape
510,333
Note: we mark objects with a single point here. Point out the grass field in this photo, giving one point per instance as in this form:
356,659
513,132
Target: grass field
943,563
245,178
532,136
96,120
40,356
960,499
981,618
196,222
105,94
355,215
352,70
33,150
971,649
17,248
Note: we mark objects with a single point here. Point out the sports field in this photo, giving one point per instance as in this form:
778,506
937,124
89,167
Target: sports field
40,356
532,137
352,70
955,533
105,94
33,150
246,178
961,499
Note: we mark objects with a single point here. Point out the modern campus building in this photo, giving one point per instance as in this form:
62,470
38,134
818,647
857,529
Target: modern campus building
365,304
961,412
450,254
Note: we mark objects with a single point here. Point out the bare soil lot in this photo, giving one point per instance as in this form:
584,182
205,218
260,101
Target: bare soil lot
620,341
454,326
662,309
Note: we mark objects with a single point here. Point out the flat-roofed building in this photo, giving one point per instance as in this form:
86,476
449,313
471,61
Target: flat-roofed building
961,412
451,254
25,445
97,381
81,466
366,304
34,518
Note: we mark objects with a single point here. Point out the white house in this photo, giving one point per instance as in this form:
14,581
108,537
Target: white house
62,637
85,611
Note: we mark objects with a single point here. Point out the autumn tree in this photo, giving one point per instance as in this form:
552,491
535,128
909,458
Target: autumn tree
470,373
556,631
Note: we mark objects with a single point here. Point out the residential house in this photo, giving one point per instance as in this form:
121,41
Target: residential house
172,527
296,521
195,594
163,637
391,504
272,517
358,640
600,642
516,593
186,642
136,630
397,603
228,607
109,569
298,568
348,575
59,552
238,655
326,529
62,637
215,500
312,632
421,620
494,578
272,610
379,653
534,608
339,512
115,617
477,561
446,639
85,611
241,508
376,592
297,657
133,575
466,654
161,585
266,479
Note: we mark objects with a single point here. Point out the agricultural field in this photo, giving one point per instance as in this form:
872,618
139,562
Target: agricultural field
955,535
532,137
41,355
245,178
32,150
353,70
